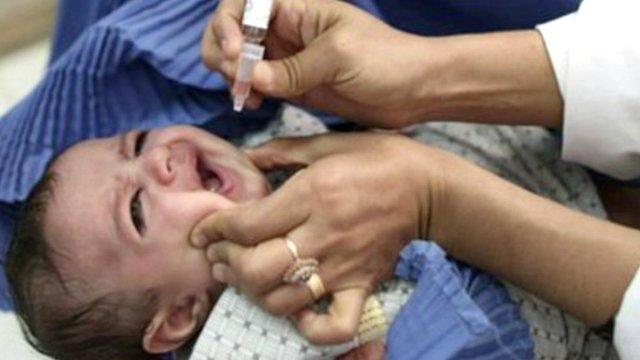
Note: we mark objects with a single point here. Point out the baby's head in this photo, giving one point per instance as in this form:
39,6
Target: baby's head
101,266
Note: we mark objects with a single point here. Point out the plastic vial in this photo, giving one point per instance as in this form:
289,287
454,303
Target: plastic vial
255,22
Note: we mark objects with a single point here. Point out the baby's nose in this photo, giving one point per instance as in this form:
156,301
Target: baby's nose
158,163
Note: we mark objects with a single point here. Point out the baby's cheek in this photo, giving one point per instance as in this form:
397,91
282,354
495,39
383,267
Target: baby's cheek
195,270
176,215
145,271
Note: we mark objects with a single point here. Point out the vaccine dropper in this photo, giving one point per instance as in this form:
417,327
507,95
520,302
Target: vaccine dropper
255,22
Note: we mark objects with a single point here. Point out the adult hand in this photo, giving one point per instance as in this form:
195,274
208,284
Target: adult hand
360,199
330,55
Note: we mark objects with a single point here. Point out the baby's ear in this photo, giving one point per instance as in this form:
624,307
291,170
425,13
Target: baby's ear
175,323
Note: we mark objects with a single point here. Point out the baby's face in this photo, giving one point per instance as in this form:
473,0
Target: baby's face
123,207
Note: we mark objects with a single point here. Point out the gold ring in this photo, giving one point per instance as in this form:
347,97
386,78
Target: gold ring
316,286
300,271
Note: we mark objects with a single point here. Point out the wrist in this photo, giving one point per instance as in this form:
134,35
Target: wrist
431,91
501,77
436,187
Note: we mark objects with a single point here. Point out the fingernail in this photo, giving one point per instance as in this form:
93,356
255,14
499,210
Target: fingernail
198,240
218,272
150,328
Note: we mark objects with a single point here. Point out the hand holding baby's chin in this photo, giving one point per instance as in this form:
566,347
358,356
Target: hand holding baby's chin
360,199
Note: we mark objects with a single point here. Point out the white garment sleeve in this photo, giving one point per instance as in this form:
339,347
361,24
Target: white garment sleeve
595,54
596,58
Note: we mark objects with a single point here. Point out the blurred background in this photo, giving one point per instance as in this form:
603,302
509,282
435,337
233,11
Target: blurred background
25,32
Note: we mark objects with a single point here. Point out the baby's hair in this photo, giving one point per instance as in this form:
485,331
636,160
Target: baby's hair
63,318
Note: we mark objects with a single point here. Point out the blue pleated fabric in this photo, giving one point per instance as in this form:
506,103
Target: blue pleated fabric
455,312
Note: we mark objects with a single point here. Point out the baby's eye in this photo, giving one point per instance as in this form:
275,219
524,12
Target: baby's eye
139,144
137,216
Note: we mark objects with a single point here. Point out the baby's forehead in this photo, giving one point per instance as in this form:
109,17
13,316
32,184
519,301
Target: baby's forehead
82,248
85,149
79,217
79,173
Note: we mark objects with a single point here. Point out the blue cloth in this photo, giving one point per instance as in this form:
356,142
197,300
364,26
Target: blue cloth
445,17
123,64
455,312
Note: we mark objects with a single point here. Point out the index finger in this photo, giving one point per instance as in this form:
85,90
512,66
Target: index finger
226,26
266,218
224,30
254,270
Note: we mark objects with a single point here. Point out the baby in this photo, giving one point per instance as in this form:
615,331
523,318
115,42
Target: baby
101,266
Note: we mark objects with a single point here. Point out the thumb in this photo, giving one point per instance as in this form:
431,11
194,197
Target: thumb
297,74
280,154
301,151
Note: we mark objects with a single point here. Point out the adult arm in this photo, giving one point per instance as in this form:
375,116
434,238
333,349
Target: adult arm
356,222
584,265
595,55
580,263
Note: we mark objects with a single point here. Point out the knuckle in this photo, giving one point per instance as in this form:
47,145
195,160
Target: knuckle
293,71
216,21
329,192
340,44
329,183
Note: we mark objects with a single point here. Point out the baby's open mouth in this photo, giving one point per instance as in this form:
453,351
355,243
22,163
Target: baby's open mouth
212,176
209,179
